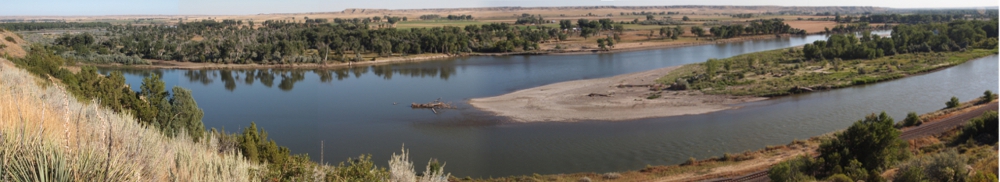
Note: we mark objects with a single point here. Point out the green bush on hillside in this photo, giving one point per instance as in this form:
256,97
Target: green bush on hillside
982,129
944,166
152,106
798,169
869,146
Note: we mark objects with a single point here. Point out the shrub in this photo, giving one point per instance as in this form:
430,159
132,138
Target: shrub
401,169
690,161
912,119
10,39
859,144
944,166
839,178
982,129
983,176
953,103
987,97
792,170
360,169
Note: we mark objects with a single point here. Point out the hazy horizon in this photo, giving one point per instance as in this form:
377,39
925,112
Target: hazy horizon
248,7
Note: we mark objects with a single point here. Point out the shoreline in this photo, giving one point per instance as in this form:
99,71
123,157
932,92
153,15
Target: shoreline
165,64
605,99
617,98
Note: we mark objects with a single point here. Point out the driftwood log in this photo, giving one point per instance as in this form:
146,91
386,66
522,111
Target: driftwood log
597,94
630,85
437,104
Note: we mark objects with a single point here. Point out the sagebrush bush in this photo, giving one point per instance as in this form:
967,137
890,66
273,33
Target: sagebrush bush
401,170
945,166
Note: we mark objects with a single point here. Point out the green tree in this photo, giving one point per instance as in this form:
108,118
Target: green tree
248,142
686,18
663,32
600,43
696,30
873,142
185,115
953,103
587,32
154,90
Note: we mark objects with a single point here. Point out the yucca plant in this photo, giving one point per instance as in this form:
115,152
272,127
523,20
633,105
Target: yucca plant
33,161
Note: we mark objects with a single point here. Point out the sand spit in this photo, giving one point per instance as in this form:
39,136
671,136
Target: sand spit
584,100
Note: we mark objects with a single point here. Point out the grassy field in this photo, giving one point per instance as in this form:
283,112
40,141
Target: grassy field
784,71
436,23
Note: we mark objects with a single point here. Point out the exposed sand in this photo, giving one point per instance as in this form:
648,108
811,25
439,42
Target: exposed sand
569,101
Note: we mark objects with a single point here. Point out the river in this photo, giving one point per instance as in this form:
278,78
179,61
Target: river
365,110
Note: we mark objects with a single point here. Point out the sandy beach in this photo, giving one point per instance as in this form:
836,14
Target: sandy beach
582,100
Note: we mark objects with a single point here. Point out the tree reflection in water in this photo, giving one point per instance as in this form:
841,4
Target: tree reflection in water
289,77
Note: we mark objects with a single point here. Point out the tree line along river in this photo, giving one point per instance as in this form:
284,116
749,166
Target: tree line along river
365,110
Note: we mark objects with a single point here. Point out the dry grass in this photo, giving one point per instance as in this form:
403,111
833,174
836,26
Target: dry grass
39,122
811,26
12,49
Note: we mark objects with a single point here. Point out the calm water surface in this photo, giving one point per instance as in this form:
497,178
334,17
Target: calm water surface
353,111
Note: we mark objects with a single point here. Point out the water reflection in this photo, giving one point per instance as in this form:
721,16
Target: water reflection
289,77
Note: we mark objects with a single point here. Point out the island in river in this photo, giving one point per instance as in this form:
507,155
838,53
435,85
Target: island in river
645,94
622,97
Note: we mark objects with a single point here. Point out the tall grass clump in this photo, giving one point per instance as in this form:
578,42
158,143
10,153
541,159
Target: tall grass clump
48,137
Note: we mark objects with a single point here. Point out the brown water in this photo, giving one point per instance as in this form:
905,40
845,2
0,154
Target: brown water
352,110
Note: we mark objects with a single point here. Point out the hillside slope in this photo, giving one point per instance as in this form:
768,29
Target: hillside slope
11,47
43,130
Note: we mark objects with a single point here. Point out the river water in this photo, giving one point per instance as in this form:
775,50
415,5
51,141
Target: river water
365,110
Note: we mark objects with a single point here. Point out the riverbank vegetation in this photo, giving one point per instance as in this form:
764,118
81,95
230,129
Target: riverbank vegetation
318,41
966,153
841,60
833,156
64,126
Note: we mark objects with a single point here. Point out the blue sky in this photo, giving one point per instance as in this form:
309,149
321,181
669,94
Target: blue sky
222,7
